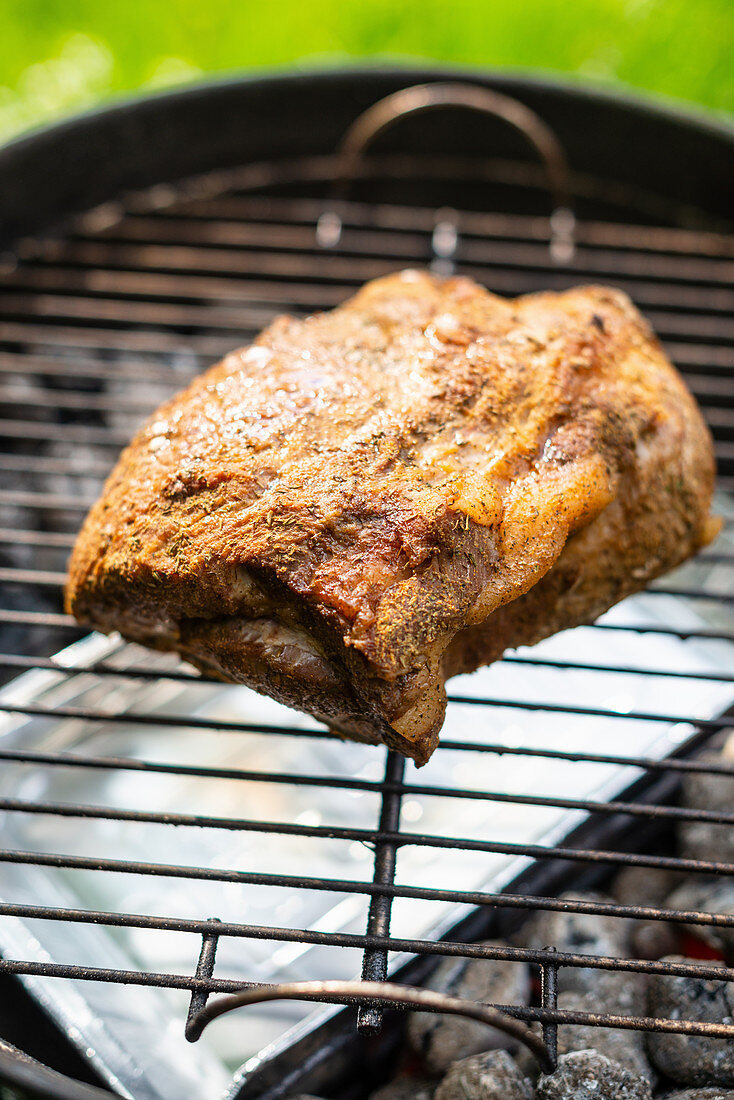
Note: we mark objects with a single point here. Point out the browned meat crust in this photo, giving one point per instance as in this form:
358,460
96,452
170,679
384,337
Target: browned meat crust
368,501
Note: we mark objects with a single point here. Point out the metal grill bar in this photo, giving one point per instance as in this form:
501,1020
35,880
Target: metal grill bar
362,255
62,304
44,500
594,856
222,985
693,358
41,577
74,760
416,947
634,809
20,661
294,233
38,618
73,434
274,209
70,434
167,721
378,941
78,400
690,325
287,243
38,464
125,341
48,540
28,365
374,965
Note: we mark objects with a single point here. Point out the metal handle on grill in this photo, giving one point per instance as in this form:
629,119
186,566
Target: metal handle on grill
367,993
424,97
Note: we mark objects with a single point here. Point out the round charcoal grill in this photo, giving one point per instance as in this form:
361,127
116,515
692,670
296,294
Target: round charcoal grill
140,245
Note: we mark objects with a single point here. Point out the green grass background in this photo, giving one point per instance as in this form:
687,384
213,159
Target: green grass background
60,56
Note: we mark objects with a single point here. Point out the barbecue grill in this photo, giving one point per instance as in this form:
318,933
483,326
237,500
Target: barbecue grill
141,244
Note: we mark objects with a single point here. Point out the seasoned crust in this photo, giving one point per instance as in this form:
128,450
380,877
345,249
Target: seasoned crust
366,501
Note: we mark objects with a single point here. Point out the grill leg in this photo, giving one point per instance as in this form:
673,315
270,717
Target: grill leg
374,965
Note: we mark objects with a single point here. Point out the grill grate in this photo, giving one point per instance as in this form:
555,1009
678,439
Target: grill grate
99,327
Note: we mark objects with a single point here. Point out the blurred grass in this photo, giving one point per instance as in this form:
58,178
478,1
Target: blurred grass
59,56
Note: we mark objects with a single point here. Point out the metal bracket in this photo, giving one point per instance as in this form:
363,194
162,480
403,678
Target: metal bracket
425,97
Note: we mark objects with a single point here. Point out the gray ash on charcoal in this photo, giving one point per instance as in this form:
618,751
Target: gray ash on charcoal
649,939
584,989
459,1059
704,839
493,1075
441,1040
581,934
588,1075
627,1048
692,1059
